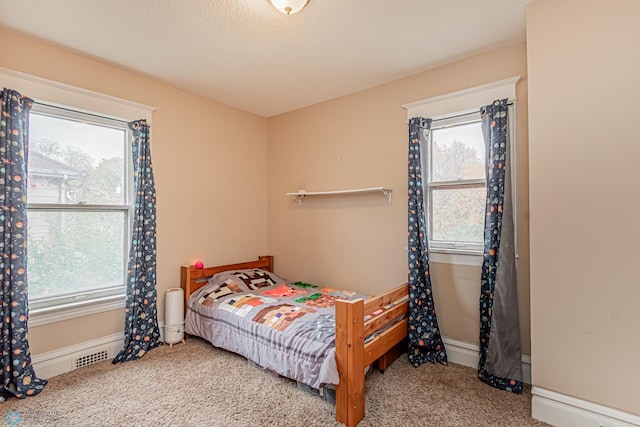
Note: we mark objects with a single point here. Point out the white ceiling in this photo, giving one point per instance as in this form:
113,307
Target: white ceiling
246,54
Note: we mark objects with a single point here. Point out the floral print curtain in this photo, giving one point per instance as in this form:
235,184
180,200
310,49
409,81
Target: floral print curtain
425,342
18,376
500,353
141,317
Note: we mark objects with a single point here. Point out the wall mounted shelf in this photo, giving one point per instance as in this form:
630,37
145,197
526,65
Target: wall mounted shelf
301,194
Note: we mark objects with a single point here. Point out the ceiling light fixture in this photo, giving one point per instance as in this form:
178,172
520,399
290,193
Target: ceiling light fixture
289,7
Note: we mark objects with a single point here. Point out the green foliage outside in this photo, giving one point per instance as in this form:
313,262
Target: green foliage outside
70,251
457,213
81,251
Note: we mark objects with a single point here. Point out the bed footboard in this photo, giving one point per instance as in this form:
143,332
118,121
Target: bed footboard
356,320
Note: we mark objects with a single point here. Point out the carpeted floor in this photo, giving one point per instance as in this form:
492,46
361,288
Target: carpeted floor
194,384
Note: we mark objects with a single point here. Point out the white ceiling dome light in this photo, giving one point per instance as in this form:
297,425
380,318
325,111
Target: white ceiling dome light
289,7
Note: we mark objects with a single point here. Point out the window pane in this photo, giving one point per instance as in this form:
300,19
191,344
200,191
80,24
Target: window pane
458,214
457,152
71,252
75,162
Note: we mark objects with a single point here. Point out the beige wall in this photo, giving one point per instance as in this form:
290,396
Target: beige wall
210,168
351,142
358,141
585,208
580,72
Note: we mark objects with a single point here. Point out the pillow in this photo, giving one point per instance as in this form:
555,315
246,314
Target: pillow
245,280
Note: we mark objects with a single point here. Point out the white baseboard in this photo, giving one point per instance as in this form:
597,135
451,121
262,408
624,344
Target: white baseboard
548,406
565,411
468,354
63,360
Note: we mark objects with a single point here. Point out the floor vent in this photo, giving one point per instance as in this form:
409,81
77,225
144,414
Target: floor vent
92,358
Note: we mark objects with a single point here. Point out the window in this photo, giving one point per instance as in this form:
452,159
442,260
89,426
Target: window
455,183
78,206
454,161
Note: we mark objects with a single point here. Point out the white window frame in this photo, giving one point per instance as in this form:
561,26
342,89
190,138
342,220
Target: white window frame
61,95
445,246
444,109
115,292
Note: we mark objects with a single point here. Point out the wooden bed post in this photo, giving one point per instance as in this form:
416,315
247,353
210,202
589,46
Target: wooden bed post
350,360
269,260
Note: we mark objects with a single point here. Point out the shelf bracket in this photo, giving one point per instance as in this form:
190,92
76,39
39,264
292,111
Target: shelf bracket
387,193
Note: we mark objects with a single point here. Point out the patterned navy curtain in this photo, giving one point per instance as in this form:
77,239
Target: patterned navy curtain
500,354
425,342
18,376
141,332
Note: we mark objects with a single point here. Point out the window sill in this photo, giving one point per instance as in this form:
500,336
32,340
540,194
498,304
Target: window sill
448,256
44,316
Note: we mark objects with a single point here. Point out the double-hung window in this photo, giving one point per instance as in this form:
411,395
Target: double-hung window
79,207
454,171
455,183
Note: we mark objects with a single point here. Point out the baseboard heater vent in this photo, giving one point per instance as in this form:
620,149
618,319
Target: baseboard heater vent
90,359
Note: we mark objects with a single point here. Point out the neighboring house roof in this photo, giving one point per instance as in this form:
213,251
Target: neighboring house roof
42,165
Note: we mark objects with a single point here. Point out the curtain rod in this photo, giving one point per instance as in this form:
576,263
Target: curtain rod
78,111
509,102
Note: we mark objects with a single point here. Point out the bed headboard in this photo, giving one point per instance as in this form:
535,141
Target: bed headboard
192,278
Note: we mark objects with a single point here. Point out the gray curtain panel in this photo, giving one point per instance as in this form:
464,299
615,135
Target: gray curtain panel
500,353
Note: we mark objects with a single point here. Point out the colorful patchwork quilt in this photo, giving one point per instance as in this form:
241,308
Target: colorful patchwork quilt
286,327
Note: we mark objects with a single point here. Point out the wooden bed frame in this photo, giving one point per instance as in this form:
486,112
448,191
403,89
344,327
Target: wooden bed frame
352,353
